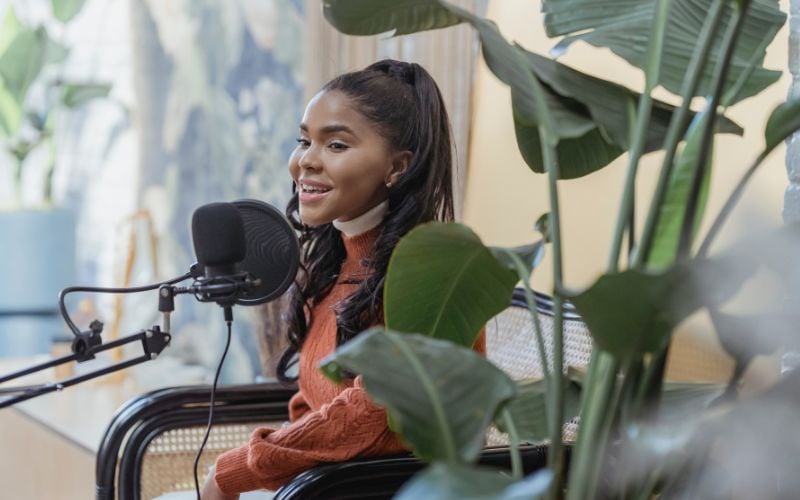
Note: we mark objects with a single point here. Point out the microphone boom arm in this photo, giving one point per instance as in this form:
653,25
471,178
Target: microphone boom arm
153,342
87,344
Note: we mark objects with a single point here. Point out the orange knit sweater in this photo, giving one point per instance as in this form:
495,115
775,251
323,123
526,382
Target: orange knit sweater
329,422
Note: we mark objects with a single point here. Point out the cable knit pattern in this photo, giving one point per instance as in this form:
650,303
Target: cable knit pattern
329,422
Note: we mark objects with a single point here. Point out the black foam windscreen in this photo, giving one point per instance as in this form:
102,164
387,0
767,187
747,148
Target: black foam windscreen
218,235
273,251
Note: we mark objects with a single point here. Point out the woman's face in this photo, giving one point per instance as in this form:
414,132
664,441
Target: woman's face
341,163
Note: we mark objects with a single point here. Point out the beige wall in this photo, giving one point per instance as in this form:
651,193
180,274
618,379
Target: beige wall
504,198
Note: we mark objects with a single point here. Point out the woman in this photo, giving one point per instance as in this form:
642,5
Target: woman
373,160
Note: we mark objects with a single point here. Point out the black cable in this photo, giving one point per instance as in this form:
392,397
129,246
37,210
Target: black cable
63,294
211,404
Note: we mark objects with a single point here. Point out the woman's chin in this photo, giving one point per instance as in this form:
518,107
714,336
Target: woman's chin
314,221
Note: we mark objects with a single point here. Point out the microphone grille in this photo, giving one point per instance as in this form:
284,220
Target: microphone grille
218,235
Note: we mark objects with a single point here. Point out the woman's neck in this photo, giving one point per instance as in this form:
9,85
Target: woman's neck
364,222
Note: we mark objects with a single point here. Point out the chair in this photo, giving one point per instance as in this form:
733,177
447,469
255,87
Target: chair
150,445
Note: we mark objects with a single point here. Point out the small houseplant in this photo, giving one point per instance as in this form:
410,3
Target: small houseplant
39,237
568,125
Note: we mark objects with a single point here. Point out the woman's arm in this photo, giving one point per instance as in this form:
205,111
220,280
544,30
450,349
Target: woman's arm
350,426
212,492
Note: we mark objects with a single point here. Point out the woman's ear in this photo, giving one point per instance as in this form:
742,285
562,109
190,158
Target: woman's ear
400,163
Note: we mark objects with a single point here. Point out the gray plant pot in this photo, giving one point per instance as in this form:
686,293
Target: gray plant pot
37,259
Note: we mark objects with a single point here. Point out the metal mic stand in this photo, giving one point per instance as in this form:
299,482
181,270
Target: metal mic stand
87,344
224,290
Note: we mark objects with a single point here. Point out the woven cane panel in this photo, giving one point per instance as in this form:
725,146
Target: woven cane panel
511,345
168,462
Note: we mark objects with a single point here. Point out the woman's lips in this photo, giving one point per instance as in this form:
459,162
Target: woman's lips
316,190
306,197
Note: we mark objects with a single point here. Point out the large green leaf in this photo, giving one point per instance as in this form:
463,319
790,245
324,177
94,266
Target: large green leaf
460,482
604,101
443,282
22,61
577,156
783,122
634,312
529,413
370,17
668,231
624,27
440,397
65,10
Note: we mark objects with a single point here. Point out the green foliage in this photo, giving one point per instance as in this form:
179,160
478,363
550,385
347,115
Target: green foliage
622,26
370,17
584,110
633,312
668,231
65,10
443,282
25,53
430,271
440,398
782,122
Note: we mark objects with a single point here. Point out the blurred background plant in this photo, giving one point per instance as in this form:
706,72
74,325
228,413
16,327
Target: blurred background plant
33,93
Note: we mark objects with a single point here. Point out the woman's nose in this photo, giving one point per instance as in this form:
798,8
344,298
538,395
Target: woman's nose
309,159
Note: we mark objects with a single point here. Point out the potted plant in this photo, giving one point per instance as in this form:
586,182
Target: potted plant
37,254
569,124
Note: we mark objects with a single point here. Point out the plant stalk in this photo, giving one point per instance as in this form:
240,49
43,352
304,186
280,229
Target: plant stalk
555,459
588,455
676,127
654,52
513,442
720,76
530,299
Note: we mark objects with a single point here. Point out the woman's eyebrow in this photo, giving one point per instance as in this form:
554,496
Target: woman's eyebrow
329,129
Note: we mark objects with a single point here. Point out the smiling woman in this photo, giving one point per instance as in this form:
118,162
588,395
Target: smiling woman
343,166
373,161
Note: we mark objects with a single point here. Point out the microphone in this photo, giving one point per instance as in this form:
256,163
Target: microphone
218,237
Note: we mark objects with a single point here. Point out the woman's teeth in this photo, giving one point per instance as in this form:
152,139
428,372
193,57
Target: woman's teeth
312,189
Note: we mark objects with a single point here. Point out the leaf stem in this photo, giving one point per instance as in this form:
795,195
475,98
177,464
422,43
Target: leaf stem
513,438
530,299
555,457
595,407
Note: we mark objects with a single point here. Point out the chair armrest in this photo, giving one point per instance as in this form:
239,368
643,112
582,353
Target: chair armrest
143,417
382,477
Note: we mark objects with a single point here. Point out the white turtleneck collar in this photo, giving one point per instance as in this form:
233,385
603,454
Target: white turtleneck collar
364,222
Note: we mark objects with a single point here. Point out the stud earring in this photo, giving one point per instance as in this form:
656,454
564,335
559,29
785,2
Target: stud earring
388,185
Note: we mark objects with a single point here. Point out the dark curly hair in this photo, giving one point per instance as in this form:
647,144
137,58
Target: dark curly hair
404,103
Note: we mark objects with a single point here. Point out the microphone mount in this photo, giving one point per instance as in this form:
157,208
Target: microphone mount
224,290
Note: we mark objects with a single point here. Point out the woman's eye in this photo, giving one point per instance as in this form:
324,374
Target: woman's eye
303,142
338,146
